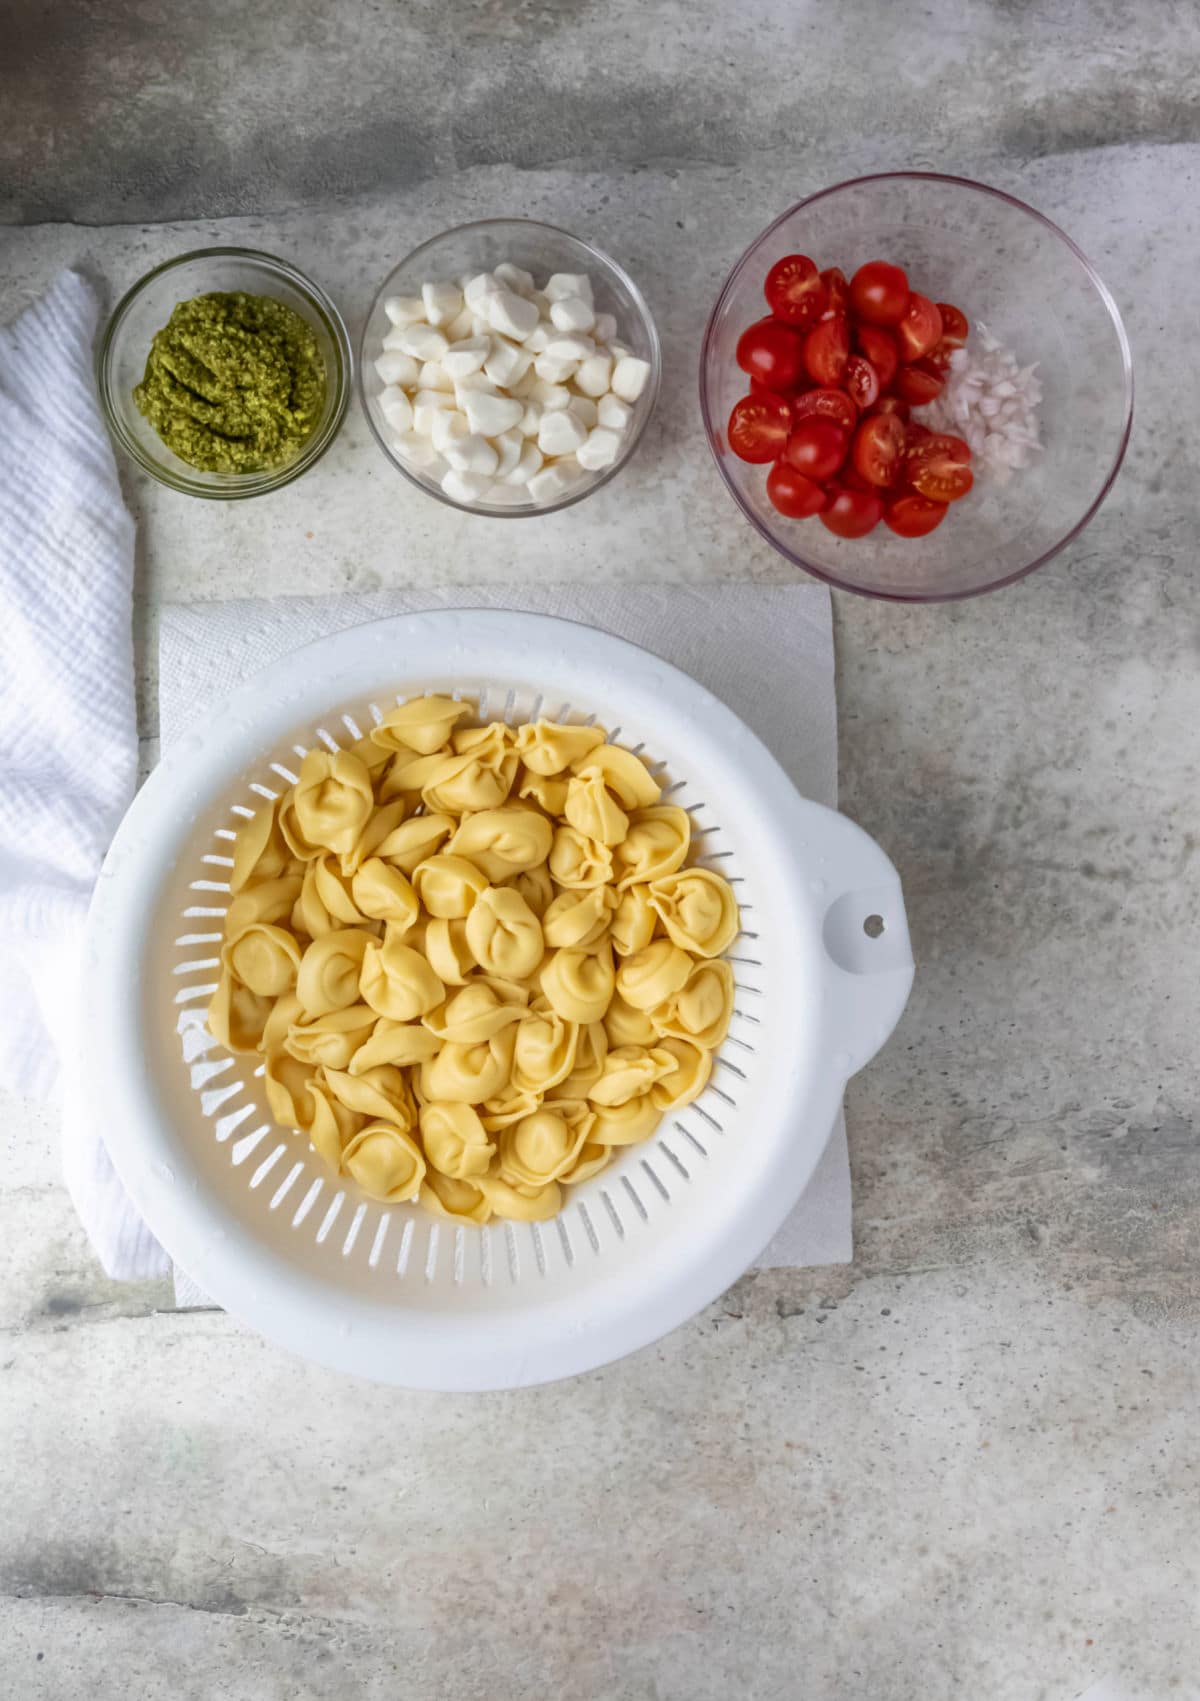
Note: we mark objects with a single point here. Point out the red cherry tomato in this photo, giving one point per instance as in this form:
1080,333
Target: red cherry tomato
889,404
794,290
955,328
758,427
851,513
817,448
915,433
879,346
920,329
914,516
879,448
837,292
879,293
826,351
772,353
937,467
826,404
792,493
919,383
758,388
861,381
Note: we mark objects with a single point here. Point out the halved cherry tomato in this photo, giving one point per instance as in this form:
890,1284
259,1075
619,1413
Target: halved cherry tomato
794,290
772,353
817,447
758,427
826,404
861,381
826,351
914,516
852,479
889,404
879,346
837,292
879,448
919,383
955,328
920,329
758,388
879,293
938,467
792,493
915,433
851,513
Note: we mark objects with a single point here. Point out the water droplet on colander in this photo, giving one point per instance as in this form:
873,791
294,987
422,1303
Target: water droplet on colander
164,1172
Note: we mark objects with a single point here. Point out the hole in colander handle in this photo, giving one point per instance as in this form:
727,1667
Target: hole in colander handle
864,929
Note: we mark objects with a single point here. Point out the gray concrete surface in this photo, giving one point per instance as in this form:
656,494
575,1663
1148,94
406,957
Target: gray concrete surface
966,1466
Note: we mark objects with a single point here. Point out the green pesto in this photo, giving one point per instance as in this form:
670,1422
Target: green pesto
234,383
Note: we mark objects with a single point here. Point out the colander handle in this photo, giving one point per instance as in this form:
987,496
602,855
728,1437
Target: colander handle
865,933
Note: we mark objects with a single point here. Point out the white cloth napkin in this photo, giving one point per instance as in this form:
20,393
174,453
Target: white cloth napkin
68,732
767,651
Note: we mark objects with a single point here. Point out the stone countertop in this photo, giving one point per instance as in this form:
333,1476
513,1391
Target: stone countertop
964,1465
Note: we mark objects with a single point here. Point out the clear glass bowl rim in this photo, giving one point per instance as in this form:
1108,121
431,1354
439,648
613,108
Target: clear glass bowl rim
248,484
569,498
713,429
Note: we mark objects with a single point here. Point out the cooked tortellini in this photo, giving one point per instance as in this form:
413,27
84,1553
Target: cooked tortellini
474,960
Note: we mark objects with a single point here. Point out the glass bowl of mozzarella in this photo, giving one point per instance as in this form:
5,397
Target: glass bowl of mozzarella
508,367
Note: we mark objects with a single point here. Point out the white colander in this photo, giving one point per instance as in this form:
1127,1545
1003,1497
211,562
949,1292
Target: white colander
823,970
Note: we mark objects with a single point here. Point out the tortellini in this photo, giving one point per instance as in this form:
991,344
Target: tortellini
698,910
448,886
397,981
579,984
474,959
504,934
504,842
329,805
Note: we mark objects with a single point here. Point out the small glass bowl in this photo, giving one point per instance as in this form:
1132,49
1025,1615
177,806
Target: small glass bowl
145,309
1006,267
540,249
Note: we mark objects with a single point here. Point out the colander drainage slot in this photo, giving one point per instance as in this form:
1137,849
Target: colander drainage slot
514,1259
614,1214
306,1204
224,1126
432,1255
286,1185
267,1165
689,1136
671,1158
352,1231
376,1251
242,1148
330,1217
539,1251
593,1238
637,1203
406,1240
646,1165
568,1249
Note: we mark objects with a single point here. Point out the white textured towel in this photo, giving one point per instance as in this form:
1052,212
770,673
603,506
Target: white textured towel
68,733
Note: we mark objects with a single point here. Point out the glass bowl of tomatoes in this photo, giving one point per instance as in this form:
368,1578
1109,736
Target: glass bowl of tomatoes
916,387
